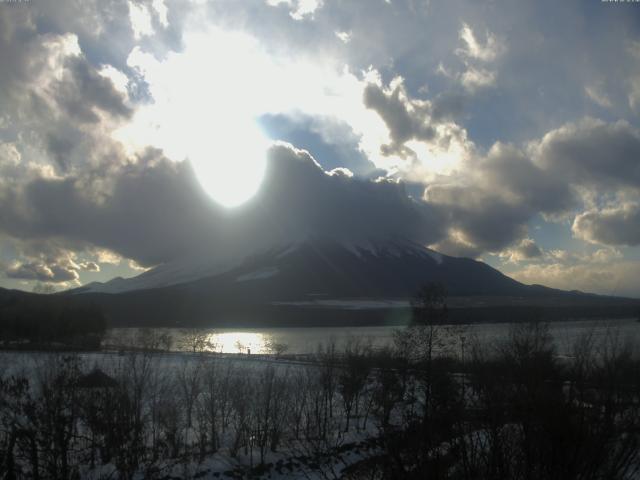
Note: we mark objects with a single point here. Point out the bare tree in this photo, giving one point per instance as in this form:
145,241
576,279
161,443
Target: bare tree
353,376
196,341
189,381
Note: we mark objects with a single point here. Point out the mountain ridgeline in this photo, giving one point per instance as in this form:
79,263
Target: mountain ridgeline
325,282
330,269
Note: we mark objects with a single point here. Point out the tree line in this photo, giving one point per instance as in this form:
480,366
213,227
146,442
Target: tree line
45,321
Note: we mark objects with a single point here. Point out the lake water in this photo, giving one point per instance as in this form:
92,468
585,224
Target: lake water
307,340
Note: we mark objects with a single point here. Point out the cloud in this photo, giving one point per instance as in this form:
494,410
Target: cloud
82,90
71,184
615,278
476,55
527,249
594,153
332,142
299,9
39,271
45,262
478,218
603,271
474,78
406,120
412,120
345,37
600,161
152,202
144,203
140,18
599,97
338,205
602,255
90,266
473,48
619,225
489,205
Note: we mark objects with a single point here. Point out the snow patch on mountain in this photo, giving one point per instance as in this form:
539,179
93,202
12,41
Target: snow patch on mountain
258,274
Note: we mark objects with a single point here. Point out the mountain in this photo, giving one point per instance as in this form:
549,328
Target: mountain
326,268
327,282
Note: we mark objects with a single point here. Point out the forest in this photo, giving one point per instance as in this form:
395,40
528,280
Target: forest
32,321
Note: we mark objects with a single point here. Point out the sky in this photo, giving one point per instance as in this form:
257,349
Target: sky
138,133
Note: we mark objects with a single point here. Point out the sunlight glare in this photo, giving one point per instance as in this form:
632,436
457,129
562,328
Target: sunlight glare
237,173
239,342
207,98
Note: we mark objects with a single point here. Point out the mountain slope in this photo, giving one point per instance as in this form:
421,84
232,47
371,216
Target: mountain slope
328,268
325,269
324,282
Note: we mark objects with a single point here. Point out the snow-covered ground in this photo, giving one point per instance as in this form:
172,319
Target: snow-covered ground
166,379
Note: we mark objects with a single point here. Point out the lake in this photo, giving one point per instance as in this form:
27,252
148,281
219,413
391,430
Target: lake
307,340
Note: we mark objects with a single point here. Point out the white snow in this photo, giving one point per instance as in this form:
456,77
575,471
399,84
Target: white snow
290,249
258,274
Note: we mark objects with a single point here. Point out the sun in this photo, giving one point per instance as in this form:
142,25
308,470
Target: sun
231,164
202,104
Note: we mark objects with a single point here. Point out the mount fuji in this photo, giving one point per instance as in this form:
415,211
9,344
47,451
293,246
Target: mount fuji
324,268
323,281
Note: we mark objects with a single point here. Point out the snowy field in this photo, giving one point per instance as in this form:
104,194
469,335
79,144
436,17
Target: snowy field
205,415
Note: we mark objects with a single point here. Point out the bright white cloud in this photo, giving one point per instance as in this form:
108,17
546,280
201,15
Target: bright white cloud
299,9
474,78
345,37
119,79
162,11
476,55
140,19
488,51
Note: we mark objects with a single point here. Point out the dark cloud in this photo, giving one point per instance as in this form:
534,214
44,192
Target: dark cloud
332,142
449,106
154,212
479,219
142,214
519,180
339,205
60,145
83,90
594,153
405,120
489,207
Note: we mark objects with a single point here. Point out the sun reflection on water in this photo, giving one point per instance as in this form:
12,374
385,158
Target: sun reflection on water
240,342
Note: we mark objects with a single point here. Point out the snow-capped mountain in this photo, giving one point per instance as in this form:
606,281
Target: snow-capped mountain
322,282
324,268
